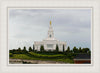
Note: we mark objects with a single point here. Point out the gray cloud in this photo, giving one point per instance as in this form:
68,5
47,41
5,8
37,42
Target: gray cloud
69,25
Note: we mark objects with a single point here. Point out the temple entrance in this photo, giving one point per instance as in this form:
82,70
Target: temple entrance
49,46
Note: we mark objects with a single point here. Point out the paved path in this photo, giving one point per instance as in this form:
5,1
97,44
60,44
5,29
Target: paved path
19,61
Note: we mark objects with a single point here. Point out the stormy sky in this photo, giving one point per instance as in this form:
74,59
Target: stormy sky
28,25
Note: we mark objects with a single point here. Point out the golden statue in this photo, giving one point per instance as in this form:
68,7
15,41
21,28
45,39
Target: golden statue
50,22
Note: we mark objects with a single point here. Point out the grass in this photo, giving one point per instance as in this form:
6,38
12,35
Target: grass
46,56
35,56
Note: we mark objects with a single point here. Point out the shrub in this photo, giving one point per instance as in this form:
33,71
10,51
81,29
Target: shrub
47,56
10,55
30,49
42,48
57,48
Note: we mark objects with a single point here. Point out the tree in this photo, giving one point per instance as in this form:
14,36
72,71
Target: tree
33,48
42,48
89,52
63,48
85,50
14,51
75,50
68,49
57,48
19,50
69,53
80,50
24,50
30,49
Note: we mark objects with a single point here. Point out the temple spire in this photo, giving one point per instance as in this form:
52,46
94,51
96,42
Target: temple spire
50,23
50,32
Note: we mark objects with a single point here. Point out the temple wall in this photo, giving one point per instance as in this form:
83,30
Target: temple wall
45,43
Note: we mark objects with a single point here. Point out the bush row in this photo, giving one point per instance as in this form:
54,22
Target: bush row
47,56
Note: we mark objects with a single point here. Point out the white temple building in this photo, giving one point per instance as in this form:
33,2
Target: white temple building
50,42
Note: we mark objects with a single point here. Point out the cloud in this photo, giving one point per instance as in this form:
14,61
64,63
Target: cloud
32,24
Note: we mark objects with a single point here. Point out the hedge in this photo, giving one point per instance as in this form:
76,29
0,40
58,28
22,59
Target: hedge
47,56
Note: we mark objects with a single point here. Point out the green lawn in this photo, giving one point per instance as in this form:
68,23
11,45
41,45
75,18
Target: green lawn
36,56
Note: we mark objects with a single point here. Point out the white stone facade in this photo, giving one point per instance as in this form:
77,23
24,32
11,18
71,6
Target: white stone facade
50,42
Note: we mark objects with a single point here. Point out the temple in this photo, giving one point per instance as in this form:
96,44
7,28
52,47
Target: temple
50,42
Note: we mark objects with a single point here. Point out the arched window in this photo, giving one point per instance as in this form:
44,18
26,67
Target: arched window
50,36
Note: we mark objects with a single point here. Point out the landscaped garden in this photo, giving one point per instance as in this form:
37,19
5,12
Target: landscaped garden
66,56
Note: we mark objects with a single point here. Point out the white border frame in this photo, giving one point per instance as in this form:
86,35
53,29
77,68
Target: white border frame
54,8
95,68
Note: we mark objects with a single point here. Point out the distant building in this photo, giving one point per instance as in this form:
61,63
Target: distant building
82,59
50,42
